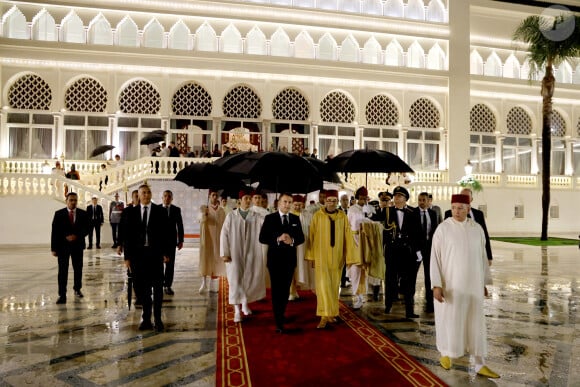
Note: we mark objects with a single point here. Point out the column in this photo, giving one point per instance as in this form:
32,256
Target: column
459,90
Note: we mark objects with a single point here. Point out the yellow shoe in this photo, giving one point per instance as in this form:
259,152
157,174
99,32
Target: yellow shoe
323,322
485,371
445,362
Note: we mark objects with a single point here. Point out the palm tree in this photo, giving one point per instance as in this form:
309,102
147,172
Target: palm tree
550,42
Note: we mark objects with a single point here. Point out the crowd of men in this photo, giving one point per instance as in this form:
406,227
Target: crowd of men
294,246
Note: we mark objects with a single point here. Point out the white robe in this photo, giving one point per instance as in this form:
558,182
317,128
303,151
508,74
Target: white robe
305,271
245,273
459,266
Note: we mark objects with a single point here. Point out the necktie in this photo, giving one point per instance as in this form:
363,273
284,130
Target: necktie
167,210
94,213
144,220
285,220
71,216
424,223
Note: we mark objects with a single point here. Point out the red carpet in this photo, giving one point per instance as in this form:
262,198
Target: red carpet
351,353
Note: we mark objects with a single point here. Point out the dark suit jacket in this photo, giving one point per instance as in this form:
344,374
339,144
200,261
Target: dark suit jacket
433,218
409,233
176,224
480,219
158,232
61,228
272,228
100,219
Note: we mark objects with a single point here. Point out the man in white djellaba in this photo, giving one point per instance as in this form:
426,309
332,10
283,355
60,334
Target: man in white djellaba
459,273
242,252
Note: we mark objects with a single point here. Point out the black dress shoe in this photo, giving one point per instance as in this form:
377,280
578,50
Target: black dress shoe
411,315
90,247
430,309
78,294
114,246
388,309
61,300
145,325
280,330
159,327
169,291
98,246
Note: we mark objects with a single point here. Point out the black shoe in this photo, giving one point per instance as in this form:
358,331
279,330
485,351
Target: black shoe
114,246
388,309
138,302
61,300
411,315
169,291
78,294
159,327
90,247
430,309
99,247
145,326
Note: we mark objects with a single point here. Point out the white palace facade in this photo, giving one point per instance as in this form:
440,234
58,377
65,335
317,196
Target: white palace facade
438,82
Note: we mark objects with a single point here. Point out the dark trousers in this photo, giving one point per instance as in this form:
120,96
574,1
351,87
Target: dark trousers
401,266
148,276
343,277
281,271
76,256
169,270
97,228
115,230
427,273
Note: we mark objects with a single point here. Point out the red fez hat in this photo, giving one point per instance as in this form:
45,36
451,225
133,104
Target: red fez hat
362,191
298,198
460,199
244,192
331,192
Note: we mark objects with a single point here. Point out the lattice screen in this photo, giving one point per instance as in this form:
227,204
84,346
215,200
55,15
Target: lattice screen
86,95
30,92
424,114
242,102
337,107
191,100
382,111
140,97
519,121
482,119
558,124
290,105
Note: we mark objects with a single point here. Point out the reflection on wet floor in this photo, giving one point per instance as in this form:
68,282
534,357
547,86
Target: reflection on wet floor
531,322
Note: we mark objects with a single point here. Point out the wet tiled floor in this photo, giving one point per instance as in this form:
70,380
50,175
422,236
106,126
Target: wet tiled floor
93,341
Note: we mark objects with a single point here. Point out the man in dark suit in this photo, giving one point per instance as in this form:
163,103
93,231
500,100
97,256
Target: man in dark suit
429,222
403,246
478,216
176,231
282,232
147,244
67,239
96,220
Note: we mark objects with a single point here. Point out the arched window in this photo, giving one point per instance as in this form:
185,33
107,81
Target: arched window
373,7
371,51
415,10
436,58
564,73
349,50
558,154
436,11
153,34
288,130
44,27
337,107
291,105
178,38
482,140
327,47
416,56
206,38
424,137
394,8
100,31
256,42
517,145
30,92
336,132
127,33
86,95
242,102
394,54
475,63
231,40
511,68
72,29
492,66
14,24
381,110
191,99
140,97
304,46
280,43
382,116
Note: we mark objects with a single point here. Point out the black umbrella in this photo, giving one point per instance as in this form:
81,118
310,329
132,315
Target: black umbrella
209,176
324,171
101,149
159,132
275,171
151,138
368,160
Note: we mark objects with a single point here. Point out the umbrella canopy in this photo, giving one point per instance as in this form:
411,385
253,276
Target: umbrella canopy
159,132
152,138
324,171
209,176
368,160
101,149
275,171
